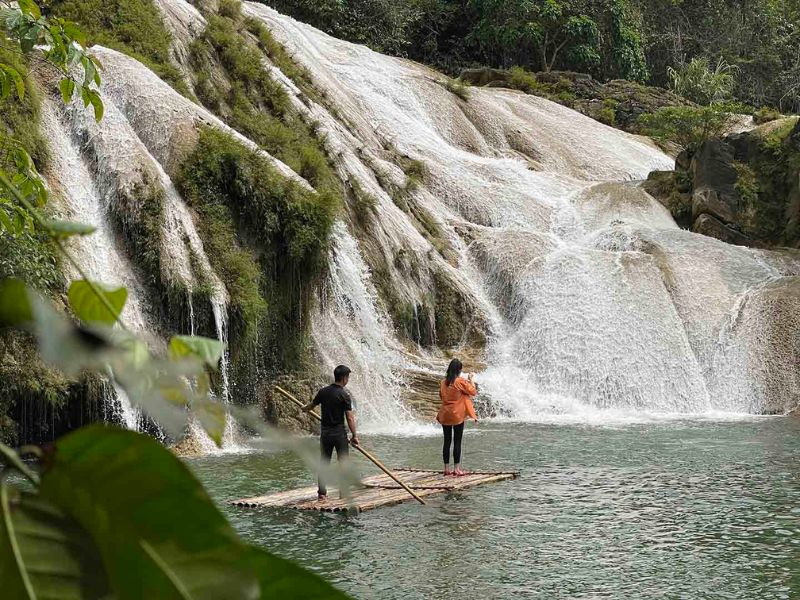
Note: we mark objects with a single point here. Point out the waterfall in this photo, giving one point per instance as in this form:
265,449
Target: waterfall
120,167
99,254
350,329
606,306
594,304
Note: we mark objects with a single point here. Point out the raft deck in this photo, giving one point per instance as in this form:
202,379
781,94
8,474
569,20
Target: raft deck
377,490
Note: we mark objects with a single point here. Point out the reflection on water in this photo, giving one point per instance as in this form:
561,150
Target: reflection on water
671,510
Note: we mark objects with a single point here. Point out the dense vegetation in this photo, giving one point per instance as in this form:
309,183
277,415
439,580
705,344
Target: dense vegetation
130,26
266,236
639,40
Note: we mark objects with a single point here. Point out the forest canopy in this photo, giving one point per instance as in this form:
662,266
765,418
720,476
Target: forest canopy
639,40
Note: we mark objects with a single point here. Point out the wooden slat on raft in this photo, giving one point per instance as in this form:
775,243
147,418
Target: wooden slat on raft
377,490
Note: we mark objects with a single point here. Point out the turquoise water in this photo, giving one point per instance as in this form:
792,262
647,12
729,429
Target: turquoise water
689,509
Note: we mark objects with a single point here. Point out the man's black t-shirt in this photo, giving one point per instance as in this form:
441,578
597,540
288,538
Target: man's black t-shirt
335,402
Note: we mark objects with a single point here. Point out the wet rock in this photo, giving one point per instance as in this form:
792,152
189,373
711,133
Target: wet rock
759,349
281,412
709,201
708,225
743,189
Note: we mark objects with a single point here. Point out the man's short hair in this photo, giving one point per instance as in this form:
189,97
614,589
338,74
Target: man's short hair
340,372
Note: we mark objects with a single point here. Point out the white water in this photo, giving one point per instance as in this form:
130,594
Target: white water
112,170
596,305
352,330
607,306
98,254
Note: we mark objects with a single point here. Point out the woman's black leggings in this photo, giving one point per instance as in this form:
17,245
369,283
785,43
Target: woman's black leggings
448,436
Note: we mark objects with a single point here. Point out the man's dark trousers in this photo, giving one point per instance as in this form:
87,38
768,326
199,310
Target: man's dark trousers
328,440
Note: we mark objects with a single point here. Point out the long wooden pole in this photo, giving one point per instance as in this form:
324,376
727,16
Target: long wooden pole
368,455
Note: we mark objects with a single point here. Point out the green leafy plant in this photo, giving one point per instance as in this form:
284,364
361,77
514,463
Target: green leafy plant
130,26
686,126
459,87
23,28
701,82
765,114
114,514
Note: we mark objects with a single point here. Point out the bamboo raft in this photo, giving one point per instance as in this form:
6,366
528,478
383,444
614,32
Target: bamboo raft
377,491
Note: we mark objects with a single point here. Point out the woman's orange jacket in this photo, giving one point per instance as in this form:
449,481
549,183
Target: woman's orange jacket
456,401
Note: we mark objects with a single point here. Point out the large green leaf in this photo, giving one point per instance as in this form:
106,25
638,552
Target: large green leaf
15,304
65,229
44,555
88,305
158,532
186,346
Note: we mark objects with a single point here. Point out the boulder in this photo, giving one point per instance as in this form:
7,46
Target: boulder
712,166
485,76
708,225
283,413
713,202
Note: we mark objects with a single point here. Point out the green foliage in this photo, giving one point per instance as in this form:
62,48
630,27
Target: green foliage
383,25
627,55
765,114
458,87
254,103
130,26
701,82
31,258
239,195
746,183
280,57
635,39
416,173
364,204
772,175
608,113
688,127
94,302
116,514
528,33
525,81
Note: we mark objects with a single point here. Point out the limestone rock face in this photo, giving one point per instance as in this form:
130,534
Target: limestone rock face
760,348
743,189
709,225
626,99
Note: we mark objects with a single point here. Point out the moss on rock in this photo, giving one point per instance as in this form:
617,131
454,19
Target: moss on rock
246,97
130,26
267,237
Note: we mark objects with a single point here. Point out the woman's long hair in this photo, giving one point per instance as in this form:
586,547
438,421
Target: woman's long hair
453,371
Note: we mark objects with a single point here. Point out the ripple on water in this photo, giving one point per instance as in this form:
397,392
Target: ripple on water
665,510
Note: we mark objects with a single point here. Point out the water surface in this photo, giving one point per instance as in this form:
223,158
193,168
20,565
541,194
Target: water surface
684,509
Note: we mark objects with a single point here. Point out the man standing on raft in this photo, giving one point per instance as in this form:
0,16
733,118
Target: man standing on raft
337,406
456,394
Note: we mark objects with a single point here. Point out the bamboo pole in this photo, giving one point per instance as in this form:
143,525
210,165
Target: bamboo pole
367,454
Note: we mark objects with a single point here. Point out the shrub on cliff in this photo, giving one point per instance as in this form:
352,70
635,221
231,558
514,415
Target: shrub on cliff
686,126
265,235
130,26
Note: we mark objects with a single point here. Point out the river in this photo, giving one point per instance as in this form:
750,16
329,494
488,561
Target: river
666,509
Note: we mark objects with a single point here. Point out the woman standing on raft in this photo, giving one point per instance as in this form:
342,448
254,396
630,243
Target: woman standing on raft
456,394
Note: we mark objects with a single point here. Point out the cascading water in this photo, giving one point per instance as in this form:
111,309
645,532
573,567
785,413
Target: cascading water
351,330
593,301
99,255
92,194
608,306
